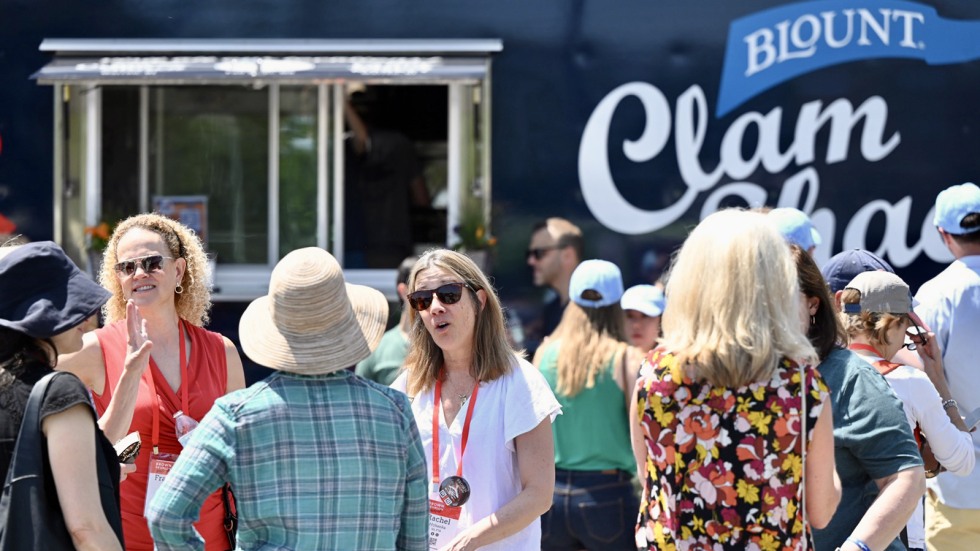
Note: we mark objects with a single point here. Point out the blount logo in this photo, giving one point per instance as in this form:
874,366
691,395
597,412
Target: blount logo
776,45
801,38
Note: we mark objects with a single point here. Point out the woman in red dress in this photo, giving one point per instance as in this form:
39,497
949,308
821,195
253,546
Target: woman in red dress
153,359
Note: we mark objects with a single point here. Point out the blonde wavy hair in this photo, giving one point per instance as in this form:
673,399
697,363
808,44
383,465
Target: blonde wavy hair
493,356
875,325
194,302
733,296
587,338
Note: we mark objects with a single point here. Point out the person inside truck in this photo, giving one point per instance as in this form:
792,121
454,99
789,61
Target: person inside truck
383,181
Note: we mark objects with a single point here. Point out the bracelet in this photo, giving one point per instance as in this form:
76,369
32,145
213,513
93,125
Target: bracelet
951,403
861,545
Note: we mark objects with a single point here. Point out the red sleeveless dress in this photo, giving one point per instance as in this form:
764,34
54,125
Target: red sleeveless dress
207,375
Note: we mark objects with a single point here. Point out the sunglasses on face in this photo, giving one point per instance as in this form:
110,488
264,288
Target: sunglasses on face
149,263
538,253
450,293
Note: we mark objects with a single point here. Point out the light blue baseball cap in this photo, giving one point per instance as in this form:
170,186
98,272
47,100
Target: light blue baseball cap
595,284
646,299
795,226
953,204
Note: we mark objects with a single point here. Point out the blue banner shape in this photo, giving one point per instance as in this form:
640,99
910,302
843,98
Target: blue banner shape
776,45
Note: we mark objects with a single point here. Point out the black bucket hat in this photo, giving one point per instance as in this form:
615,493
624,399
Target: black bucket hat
43,293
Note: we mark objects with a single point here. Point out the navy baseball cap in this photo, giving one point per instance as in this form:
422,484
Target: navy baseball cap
43,293
846,265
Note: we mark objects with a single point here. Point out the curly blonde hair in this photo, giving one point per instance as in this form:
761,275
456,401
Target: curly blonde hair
194,302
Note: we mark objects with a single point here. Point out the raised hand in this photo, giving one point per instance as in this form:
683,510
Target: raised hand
138,344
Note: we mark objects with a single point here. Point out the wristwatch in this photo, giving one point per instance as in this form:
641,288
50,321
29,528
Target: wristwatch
951,403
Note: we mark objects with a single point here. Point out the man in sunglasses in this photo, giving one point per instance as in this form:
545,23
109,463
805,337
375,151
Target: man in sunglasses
554,252
948,304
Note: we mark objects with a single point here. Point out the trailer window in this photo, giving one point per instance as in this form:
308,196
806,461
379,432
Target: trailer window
373,168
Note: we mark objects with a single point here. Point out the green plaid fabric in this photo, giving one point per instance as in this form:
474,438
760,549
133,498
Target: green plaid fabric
316,462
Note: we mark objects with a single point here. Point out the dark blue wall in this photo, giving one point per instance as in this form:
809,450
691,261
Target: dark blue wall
560,59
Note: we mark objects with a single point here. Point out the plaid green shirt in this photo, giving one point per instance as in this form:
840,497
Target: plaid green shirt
316,462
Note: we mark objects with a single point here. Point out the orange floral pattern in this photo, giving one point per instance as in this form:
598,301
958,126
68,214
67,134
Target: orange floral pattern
723,465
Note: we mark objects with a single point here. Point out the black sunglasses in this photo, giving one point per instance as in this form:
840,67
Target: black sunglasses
149,263
912,345
449,293
539,252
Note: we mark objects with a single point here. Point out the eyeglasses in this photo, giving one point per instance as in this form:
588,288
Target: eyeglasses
919,333
538,252
149,263
450,293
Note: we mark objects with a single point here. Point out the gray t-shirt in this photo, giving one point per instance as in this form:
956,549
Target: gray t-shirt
872,440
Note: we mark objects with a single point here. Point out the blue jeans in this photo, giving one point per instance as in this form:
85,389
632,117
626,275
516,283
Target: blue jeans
591,510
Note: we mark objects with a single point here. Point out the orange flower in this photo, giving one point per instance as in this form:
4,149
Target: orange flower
101,231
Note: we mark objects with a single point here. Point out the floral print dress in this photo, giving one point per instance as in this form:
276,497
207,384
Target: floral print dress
723,464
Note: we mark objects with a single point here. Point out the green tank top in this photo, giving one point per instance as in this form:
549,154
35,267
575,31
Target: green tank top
592,433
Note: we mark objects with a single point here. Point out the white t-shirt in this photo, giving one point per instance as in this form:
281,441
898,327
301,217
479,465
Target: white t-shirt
505,408
951,446
948,305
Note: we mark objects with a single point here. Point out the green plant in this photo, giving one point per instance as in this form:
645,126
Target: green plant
99,236
472,232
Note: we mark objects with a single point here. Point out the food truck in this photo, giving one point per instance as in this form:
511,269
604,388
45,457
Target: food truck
632,119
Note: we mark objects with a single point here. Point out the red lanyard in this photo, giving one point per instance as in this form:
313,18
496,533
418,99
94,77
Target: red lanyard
435,431
882,365
865,347
148,375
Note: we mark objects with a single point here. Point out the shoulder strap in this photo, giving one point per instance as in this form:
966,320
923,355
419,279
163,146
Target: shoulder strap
29,437
804,391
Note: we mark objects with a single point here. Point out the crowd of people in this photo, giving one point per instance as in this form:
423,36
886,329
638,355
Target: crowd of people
748,400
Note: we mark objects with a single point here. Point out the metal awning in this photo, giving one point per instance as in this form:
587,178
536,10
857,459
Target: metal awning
216,61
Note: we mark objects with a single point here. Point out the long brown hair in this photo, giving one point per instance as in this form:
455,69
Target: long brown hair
493,356
587,338
825,331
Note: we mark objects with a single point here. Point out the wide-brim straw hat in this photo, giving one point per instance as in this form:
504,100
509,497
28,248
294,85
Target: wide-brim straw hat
312,322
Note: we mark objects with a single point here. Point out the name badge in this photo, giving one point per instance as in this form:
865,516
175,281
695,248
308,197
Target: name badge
443,523
160,465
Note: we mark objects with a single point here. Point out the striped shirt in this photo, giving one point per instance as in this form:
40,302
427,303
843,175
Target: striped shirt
316,462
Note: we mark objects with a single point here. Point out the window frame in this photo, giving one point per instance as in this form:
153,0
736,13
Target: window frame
242,282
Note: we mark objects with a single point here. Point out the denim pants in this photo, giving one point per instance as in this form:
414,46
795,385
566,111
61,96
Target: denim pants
594,510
